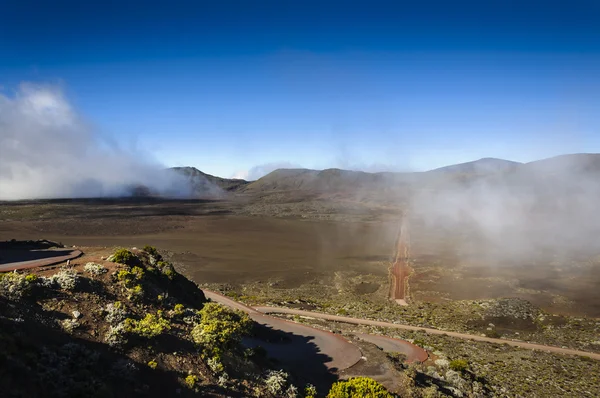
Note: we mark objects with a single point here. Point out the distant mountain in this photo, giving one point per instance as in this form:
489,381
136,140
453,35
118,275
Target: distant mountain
333,181
572,163
479,167
203,182
329,180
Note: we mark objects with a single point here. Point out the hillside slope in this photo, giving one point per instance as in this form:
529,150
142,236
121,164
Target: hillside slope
119,326
481,166
203,182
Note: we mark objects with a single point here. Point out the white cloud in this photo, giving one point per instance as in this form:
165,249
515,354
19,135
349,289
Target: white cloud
47,150
242,174
261,170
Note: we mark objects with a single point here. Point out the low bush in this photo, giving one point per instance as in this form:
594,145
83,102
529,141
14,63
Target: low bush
151,250
114,312
129,277
148,327
166,268
459,365
220,327
14,286
69,325
123,256
136,293
276,381
178,310
115,336
214,363
310,391
191,381
65,279
358,387
95,269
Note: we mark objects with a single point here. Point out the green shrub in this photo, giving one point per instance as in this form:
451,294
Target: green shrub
220,327
65,279
136,293
358,387
493,334
114,312
123,256
129,277
459,365
419,342
276,381
95,269
149,327
151,250
166,268
215,364
191,381
310,391
178,310
14,286
137,272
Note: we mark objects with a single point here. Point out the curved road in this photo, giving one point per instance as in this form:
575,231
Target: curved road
339,353
388,344
343,353
41,262
359,321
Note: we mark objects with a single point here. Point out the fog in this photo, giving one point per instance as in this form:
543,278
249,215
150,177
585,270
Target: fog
48,150
547,208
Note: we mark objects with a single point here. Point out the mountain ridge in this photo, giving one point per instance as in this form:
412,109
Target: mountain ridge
340,180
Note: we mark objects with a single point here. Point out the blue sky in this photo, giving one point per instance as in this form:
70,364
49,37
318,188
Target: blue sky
238,87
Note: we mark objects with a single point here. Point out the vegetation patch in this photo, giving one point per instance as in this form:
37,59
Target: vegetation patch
358,387
220,327
148,327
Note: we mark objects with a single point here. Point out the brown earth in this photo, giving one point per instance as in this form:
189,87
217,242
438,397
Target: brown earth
224,248
214,241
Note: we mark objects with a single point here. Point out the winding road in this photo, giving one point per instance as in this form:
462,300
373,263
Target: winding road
21,259
336,351
464,336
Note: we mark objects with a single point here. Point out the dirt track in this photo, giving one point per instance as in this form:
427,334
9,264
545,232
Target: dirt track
399,269
358,321
343,354
14,259
339,353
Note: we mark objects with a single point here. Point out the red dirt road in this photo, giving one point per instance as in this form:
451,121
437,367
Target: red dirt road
340,353
413,353
14,261
400,269
464,336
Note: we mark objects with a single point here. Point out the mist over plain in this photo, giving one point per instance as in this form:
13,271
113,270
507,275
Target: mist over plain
490,211
48,150
545,209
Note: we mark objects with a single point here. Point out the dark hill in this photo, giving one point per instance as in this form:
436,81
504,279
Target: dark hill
329,180
479,167
203,182
491,170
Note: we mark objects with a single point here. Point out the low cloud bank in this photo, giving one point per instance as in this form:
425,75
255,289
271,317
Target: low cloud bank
548,208
262,170
47,150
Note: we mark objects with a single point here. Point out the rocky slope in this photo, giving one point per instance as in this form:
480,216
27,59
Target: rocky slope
125,324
